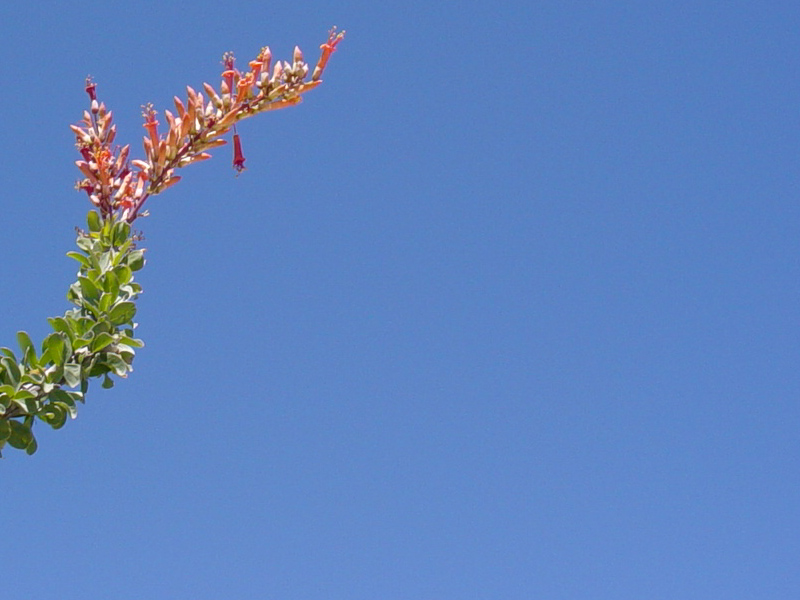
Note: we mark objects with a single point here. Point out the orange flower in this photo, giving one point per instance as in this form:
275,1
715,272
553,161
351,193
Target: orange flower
151,123
244,86
327,48
196,128
230,73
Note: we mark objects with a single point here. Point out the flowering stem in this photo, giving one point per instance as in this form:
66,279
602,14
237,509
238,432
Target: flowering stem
96,338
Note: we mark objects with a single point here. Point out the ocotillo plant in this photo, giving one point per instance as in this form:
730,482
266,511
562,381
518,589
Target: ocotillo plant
95,339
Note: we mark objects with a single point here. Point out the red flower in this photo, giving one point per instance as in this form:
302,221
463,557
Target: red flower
91,89
238,156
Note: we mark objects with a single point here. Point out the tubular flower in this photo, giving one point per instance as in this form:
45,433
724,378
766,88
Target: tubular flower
150,123
327,48
119,186
243,87
91,88
238,156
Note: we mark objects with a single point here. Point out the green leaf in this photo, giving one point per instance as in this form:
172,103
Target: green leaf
35,375
104,262
58,347
59,324
120,233
72,412
85,243
27,400
21,435
106,300
30,407
88,288
124,274
111,283
136,260
108,383
95,366
56,375
78,324
100,341
72,374
106,233
90,307
126,352
59,395
122,251
24,341
122,313
71,409
5,430
12,371
84,260
9,353
132,342
53,346
74,294
28,349
93,220
102,327
82,342
117,364
54,415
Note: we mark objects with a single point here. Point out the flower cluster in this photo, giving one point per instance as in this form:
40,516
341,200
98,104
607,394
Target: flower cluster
120,187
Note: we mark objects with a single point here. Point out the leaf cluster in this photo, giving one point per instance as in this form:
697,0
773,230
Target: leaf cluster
95,339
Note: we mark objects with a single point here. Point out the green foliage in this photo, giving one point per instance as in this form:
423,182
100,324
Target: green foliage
94,339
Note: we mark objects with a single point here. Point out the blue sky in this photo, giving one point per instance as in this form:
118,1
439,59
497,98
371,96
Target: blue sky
508,308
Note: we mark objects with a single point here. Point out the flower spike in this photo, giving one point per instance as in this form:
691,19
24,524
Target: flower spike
121,187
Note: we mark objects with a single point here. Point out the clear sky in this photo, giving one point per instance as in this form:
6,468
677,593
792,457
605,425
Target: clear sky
507,309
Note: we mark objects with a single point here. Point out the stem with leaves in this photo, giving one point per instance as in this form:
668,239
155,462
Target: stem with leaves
96,338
